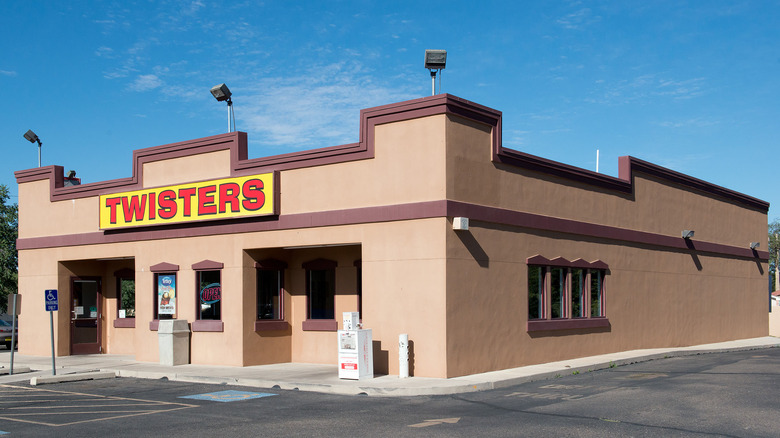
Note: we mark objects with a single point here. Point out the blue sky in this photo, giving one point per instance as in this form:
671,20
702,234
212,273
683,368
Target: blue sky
690,85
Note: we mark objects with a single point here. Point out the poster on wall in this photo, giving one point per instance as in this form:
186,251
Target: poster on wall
166,294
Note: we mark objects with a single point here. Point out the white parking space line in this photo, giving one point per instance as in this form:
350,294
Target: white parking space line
64,408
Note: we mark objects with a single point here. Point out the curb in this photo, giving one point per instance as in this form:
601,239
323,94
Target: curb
96,375
17,370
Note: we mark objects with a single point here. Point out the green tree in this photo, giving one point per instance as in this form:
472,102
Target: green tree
774,251
8,258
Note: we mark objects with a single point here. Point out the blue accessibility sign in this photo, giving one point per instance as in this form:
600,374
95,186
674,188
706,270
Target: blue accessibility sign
51,300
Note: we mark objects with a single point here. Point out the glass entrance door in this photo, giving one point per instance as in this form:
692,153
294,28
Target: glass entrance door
85,316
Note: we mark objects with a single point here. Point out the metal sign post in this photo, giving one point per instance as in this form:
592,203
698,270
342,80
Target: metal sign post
14,303
52,304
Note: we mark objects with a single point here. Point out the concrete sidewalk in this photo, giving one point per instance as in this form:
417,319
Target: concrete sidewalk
324,378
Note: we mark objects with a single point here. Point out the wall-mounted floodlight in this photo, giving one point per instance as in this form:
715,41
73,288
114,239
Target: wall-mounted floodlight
687,234
222,93
435,61
32,138
754,245
460,223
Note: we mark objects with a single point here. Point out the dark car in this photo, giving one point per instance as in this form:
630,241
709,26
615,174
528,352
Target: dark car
6,333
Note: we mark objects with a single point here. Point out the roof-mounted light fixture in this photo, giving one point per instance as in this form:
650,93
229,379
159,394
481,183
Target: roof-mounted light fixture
687,234
754,245
222,93
32,138
435,61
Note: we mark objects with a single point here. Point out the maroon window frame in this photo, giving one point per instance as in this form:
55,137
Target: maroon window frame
271,324
127,321
567,321
161,268
316,323
207,325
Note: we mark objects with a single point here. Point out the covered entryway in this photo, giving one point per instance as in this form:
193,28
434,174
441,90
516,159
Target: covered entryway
85,311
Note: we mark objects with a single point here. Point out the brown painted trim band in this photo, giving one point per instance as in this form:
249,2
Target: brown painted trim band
124,323
206,325
562,262
629,165
389,213
164,267
320,325
271,325
565,324
420,210
208,265
540,222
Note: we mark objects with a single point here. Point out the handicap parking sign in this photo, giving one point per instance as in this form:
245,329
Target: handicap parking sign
51,300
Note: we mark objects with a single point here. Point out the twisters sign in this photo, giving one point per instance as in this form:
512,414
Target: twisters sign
208,200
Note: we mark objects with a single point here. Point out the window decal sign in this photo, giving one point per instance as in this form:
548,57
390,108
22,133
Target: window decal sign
211,294
166,294
207,200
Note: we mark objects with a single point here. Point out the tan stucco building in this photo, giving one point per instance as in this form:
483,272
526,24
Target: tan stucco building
261,256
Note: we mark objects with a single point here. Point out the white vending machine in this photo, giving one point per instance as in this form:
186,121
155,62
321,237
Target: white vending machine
356,354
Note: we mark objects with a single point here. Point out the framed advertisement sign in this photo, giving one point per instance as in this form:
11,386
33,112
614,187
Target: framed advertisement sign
166,294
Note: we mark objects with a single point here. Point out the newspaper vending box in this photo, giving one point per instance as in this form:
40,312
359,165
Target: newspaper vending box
356,355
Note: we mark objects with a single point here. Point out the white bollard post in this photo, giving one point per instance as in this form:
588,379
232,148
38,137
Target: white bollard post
403,356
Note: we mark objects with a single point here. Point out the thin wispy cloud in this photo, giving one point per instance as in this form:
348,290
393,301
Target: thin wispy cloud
7,73
146,83
646,86
681,162
104,52
319,108
696,122
579,19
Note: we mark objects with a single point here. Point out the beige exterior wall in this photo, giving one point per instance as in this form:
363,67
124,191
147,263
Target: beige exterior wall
408,167
655,206
655,297
36,213
460,296
651,300
403,263
774,321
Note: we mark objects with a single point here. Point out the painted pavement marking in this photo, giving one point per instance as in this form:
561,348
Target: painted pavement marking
550,391
228,396
427,423
64,408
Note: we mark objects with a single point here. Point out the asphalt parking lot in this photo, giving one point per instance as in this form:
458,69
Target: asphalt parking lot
719,394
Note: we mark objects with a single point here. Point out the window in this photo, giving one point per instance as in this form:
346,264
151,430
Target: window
535,291
210,294
269,293
359,267
320,289
558,289
578,293
126,301
165,294
321,293
596,293
564,294
125,298
208,284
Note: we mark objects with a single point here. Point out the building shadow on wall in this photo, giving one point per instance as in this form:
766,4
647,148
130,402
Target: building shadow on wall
411,358
568,332
695,257
475,249
758,262
381,359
